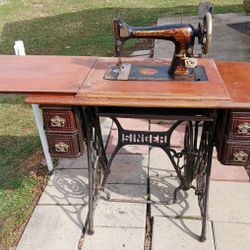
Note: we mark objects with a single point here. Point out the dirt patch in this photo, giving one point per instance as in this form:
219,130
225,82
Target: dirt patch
148,233
34,165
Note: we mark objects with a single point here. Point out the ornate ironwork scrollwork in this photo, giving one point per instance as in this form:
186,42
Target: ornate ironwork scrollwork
57,121
191,163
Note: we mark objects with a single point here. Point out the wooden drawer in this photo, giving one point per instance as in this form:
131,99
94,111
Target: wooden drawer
59,119
234,153
65,145
238,126
63,130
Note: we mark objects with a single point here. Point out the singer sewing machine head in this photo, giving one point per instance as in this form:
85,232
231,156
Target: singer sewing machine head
182,35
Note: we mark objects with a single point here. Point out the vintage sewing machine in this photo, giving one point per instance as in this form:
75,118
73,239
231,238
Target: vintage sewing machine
184,62
75,91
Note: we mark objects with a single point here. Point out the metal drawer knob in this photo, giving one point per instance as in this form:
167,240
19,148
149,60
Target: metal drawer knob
244,128
240,156
61,147
57,121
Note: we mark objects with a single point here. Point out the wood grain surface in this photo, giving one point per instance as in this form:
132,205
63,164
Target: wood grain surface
73,80
236,75
52,74
96,87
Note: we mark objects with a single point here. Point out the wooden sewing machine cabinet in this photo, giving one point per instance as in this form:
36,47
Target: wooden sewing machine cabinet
233,128
73,95
232,134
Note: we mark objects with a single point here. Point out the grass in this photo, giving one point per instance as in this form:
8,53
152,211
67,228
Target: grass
84,27
18,186
62,27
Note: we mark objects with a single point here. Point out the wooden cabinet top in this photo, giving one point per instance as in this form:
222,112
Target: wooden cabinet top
78,80
40,74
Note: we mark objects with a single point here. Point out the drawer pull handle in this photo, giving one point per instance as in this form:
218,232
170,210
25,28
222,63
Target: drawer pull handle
61,147
240,156
244,128
57,121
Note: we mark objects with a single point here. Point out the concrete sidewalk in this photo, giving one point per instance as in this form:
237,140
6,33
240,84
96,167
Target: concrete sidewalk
139,173
227,43
136,174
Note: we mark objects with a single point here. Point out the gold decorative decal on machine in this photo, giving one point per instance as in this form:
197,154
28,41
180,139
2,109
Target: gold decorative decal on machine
57,121
244,128
124,32
61,147
240,156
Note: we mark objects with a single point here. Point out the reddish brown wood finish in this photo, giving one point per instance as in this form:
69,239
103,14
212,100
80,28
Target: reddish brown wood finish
228,150
228,88
51,99
232,138
52,74
235,121
236,75
43,98
69,133
71,140
97,87
64,113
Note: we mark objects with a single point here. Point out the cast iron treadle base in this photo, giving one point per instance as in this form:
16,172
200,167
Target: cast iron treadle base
192,163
